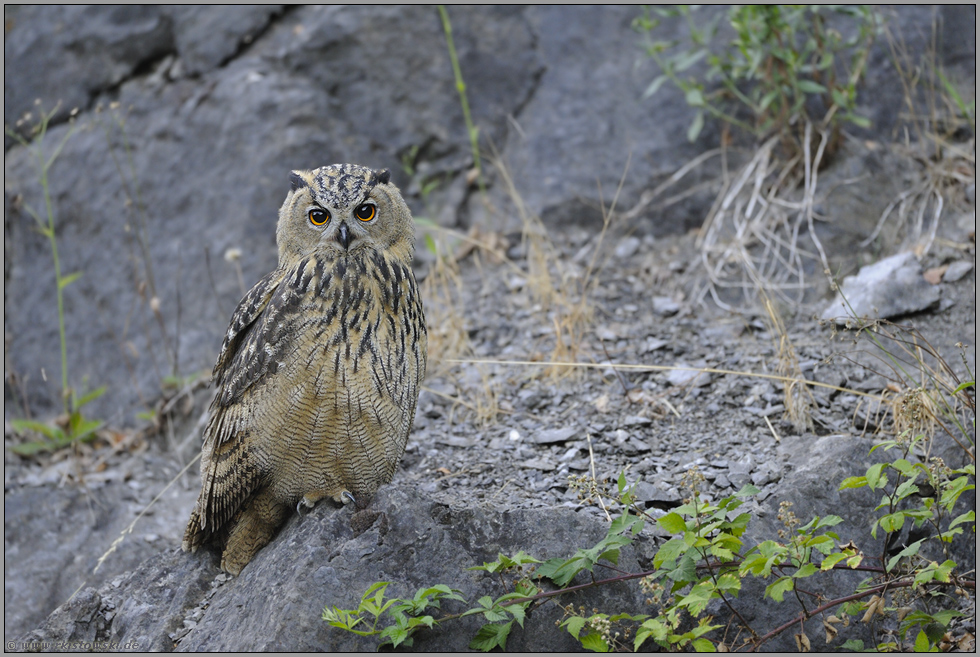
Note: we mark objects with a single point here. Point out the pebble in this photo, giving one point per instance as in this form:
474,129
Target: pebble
627,247
957,270
665,306
688,377
553,436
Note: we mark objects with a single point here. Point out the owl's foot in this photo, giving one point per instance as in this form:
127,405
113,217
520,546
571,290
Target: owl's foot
308,501
304,506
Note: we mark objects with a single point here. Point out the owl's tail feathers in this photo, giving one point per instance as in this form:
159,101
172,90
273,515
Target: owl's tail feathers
195,535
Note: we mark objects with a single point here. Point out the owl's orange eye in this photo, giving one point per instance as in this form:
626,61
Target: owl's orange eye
365,212
318,216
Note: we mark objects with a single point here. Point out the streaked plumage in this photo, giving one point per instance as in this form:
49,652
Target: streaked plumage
319,373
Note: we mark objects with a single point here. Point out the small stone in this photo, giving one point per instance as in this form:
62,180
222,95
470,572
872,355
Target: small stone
652,344
957,270
606,334
456,441
538,464
687,375
552,436
665,306
636,421
627,247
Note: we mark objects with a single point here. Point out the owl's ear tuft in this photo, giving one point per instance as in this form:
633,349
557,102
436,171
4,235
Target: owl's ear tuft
383,176
297,181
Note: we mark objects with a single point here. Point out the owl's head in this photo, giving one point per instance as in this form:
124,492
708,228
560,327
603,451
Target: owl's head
341,209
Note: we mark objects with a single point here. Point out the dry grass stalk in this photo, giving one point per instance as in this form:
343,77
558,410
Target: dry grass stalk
442,297
797,398
562,293
752,235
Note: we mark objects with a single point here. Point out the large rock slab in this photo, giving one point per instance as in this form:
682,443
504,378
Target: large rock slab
330,557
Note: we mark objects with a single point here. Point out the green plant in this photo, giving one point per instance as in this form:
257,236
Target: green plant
784,62
76,427
705,561
471,129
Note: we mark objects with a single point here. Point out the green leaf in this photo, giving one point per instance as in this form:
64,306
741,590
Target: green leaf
655,86
698,598
574,625
969,516
853,482
89,396
874,477
805,570
690,59
65,281
491,636
703,645
694,98
778,589
831,560
729,582
655,628
560,571
667,554
625,522
893,521
922,642
673,523
593,641
811,87
50,431
906,488
859,121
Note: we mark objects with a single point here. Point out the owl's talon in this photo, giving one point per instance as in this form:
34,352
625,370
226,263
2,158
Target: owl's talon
350,498
304,506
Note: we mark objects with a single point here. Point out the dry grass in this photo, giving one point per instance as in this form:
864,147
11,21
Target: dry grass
936,116
925,395
797,398
753,236
563,290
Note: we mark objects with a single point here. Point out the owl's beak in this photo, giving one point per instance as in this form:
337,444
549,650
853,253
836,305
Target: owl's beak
343,236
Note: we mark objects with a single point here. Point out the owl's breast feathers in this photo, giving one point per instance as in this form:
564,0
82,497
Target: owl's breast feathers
358,317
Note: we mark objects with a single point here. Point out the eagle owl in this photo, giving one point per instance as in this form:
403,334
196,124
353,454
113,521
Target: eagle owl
320,369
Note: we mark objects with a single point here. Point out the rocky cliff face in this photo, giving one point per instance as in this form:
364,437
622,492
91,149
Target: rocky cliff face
190,118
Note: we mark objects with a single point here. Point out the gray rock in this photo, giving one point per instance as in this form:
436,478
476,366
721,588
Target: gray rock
68,54
329,558
627,247
75,526
957,270
553,436
889,288
209,35
687,375
653,344
665,306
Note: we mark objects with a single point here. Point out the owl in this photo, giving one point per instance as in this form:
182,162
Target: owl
319,373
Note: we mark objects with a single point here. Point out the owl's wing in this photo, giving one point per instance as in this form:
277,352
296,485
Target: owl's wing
229,474
242,361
